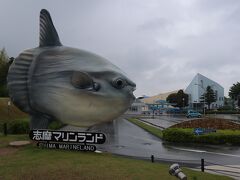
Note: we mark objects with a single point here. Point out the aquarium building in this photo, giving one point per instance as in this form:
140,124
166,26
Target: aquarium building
197,88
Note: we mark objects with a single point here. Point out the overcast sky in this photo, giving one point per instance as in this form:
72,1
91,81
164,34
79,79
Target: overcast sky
160,44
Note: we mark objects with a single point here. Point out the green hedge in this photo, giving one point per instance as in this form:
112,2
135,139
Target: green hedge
181,135
22,126
55,125
18,127
223,112
3,91
226,108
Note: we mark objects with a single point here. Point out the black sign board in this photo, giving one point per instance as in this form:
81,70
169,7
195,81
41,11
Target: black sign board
67,136
67,146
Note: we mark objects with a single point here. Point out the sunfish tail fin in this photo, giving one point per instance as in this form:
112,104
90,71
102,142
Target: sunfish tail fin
48,35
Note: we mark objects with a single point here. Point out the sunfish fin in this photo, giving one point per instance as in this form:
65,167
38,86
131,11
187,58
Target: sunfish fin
48,35
18,78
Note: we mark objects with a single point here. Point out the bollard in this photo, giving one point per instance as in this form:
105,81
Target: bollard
152,158
5,129
202,165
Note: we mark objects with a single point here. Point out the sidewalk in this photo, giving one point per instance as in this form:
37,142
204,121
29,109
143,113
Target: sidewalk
163,121
232,171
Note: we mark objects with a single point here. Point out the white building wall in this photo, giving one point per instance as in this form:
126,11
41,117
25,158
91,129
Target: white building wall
198,86
136,107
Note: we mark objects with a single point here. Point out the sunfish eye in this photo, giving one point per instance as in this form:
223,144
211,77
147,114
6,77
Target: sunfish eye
81,80
119,83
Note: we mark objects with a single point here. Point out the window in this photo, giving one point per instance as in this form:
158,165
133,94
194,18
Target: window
216,94
133,108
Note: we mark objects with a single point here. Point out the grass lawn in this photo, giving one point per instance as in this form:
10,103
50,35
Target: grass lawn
31,162
17,121
155,131
10,113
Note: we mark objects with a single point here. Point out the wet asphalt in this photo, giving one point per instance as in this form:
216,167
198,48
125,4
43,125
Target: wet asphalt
125,138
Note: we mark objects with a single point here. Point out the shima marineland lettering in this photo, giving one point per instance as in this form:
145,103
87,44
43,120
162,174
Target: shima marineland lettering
67,140
67,136
76,147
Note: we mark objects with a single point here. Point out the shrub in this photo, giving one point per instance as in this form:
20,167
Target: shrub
177,135
18,127
187,136
55,125
223,112
3,91
225,108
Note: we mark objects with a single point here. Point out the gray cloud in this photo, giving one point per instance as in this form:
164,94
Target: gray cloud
155,24
160,44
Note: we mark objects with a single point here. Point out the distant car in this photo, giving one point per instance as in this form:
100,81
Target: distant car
193,114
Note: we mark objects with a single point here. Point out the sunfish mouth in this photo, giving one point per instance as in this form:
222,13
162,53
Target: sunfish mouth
132,88
131,92
132,85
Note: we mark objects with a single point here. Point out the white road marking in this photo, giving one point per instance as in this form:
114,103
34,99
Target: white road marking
224,154
208,152
191,150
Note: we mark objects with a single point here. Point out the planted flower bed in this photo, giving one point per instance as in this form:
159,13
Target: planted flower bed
227,132
208,123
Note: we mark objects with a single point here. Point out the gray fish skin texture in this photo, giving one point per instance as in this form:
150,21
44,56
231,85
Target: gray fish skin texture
52,96
75,106
76,87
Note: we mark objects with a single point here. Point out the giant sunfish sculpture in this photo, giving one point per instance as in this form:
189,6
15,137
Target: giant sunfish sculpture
76,87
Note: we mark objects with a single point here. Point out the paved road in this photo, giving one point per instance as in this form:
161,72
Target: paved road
125,138
164,121
128,139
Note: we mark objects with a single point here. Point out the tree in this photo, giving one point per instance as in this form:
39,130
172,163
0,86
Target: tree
209,96
179,99
234,91
234,94
5,62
